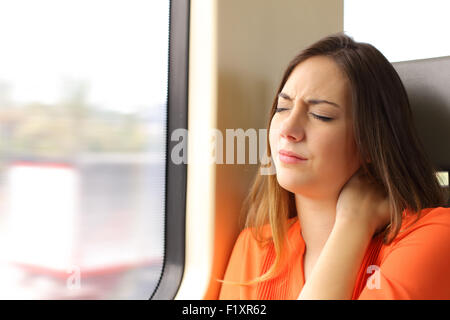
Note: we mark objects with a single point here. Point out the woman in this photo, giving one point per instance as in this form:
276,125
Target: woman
355,210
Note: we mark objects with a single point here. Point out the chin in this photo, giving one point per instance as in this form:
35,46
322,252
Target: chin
290,182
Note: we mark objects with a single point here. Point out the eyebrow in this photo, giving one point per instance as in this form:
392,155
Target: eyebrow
310,101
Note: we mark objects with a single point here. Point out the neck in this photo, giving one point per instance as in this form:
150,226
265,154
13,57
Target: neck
316,217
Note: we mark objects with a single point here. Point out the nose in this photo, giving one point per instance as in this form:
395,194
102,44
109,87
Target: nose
292,127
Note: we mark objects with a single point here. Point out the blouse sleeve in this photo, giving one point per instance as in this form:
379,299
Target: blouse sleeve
417,266
235,267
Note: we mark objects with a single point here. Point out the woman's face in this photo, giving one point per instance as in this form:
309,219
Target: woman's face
328,145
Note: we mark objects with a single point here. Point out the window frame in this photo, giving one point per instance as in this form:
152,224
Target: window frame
176,174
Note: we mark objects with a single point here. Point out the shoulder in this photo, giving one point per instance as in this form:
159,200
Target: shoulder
247,239
429,214
415,265
249,235
429,217
247,251
433,226
246,258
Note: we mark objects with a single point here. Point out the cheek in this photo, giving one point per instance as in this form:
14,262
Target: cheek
337,153
329,143
273,140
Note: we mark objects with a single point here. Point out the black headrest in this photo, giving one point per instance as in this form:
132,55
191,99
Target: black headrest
427,82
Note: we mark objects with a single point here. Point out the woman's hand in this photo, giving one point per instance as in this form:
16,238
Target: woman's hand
360,200
362,210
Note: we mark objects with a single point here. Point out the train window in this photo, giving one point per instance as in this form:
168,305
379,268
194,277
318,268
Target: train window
83,143
418,27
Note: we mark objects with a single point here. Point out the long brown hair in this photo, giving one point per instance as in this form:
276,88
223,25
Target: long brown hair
384,133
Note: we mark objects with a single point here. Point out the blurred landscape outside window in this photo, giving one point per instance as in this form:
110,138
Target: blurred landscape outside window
83,90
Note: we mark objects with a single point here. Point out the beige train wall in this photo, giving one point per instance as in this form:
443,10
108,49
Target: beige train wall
238,52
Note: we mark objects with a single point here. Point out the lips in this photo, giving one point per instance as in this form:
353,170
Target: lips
291,154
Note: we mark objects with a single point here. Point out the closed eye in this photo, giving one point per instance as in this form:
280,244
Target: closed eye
321,118
325,119
280,109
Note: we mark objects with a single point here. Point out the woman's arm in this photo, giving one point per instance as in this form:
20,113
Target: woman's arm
336,269
362,210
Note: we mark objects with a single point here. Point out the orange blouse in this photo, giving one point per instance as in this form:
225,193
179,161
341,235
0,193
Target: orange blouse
415,265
